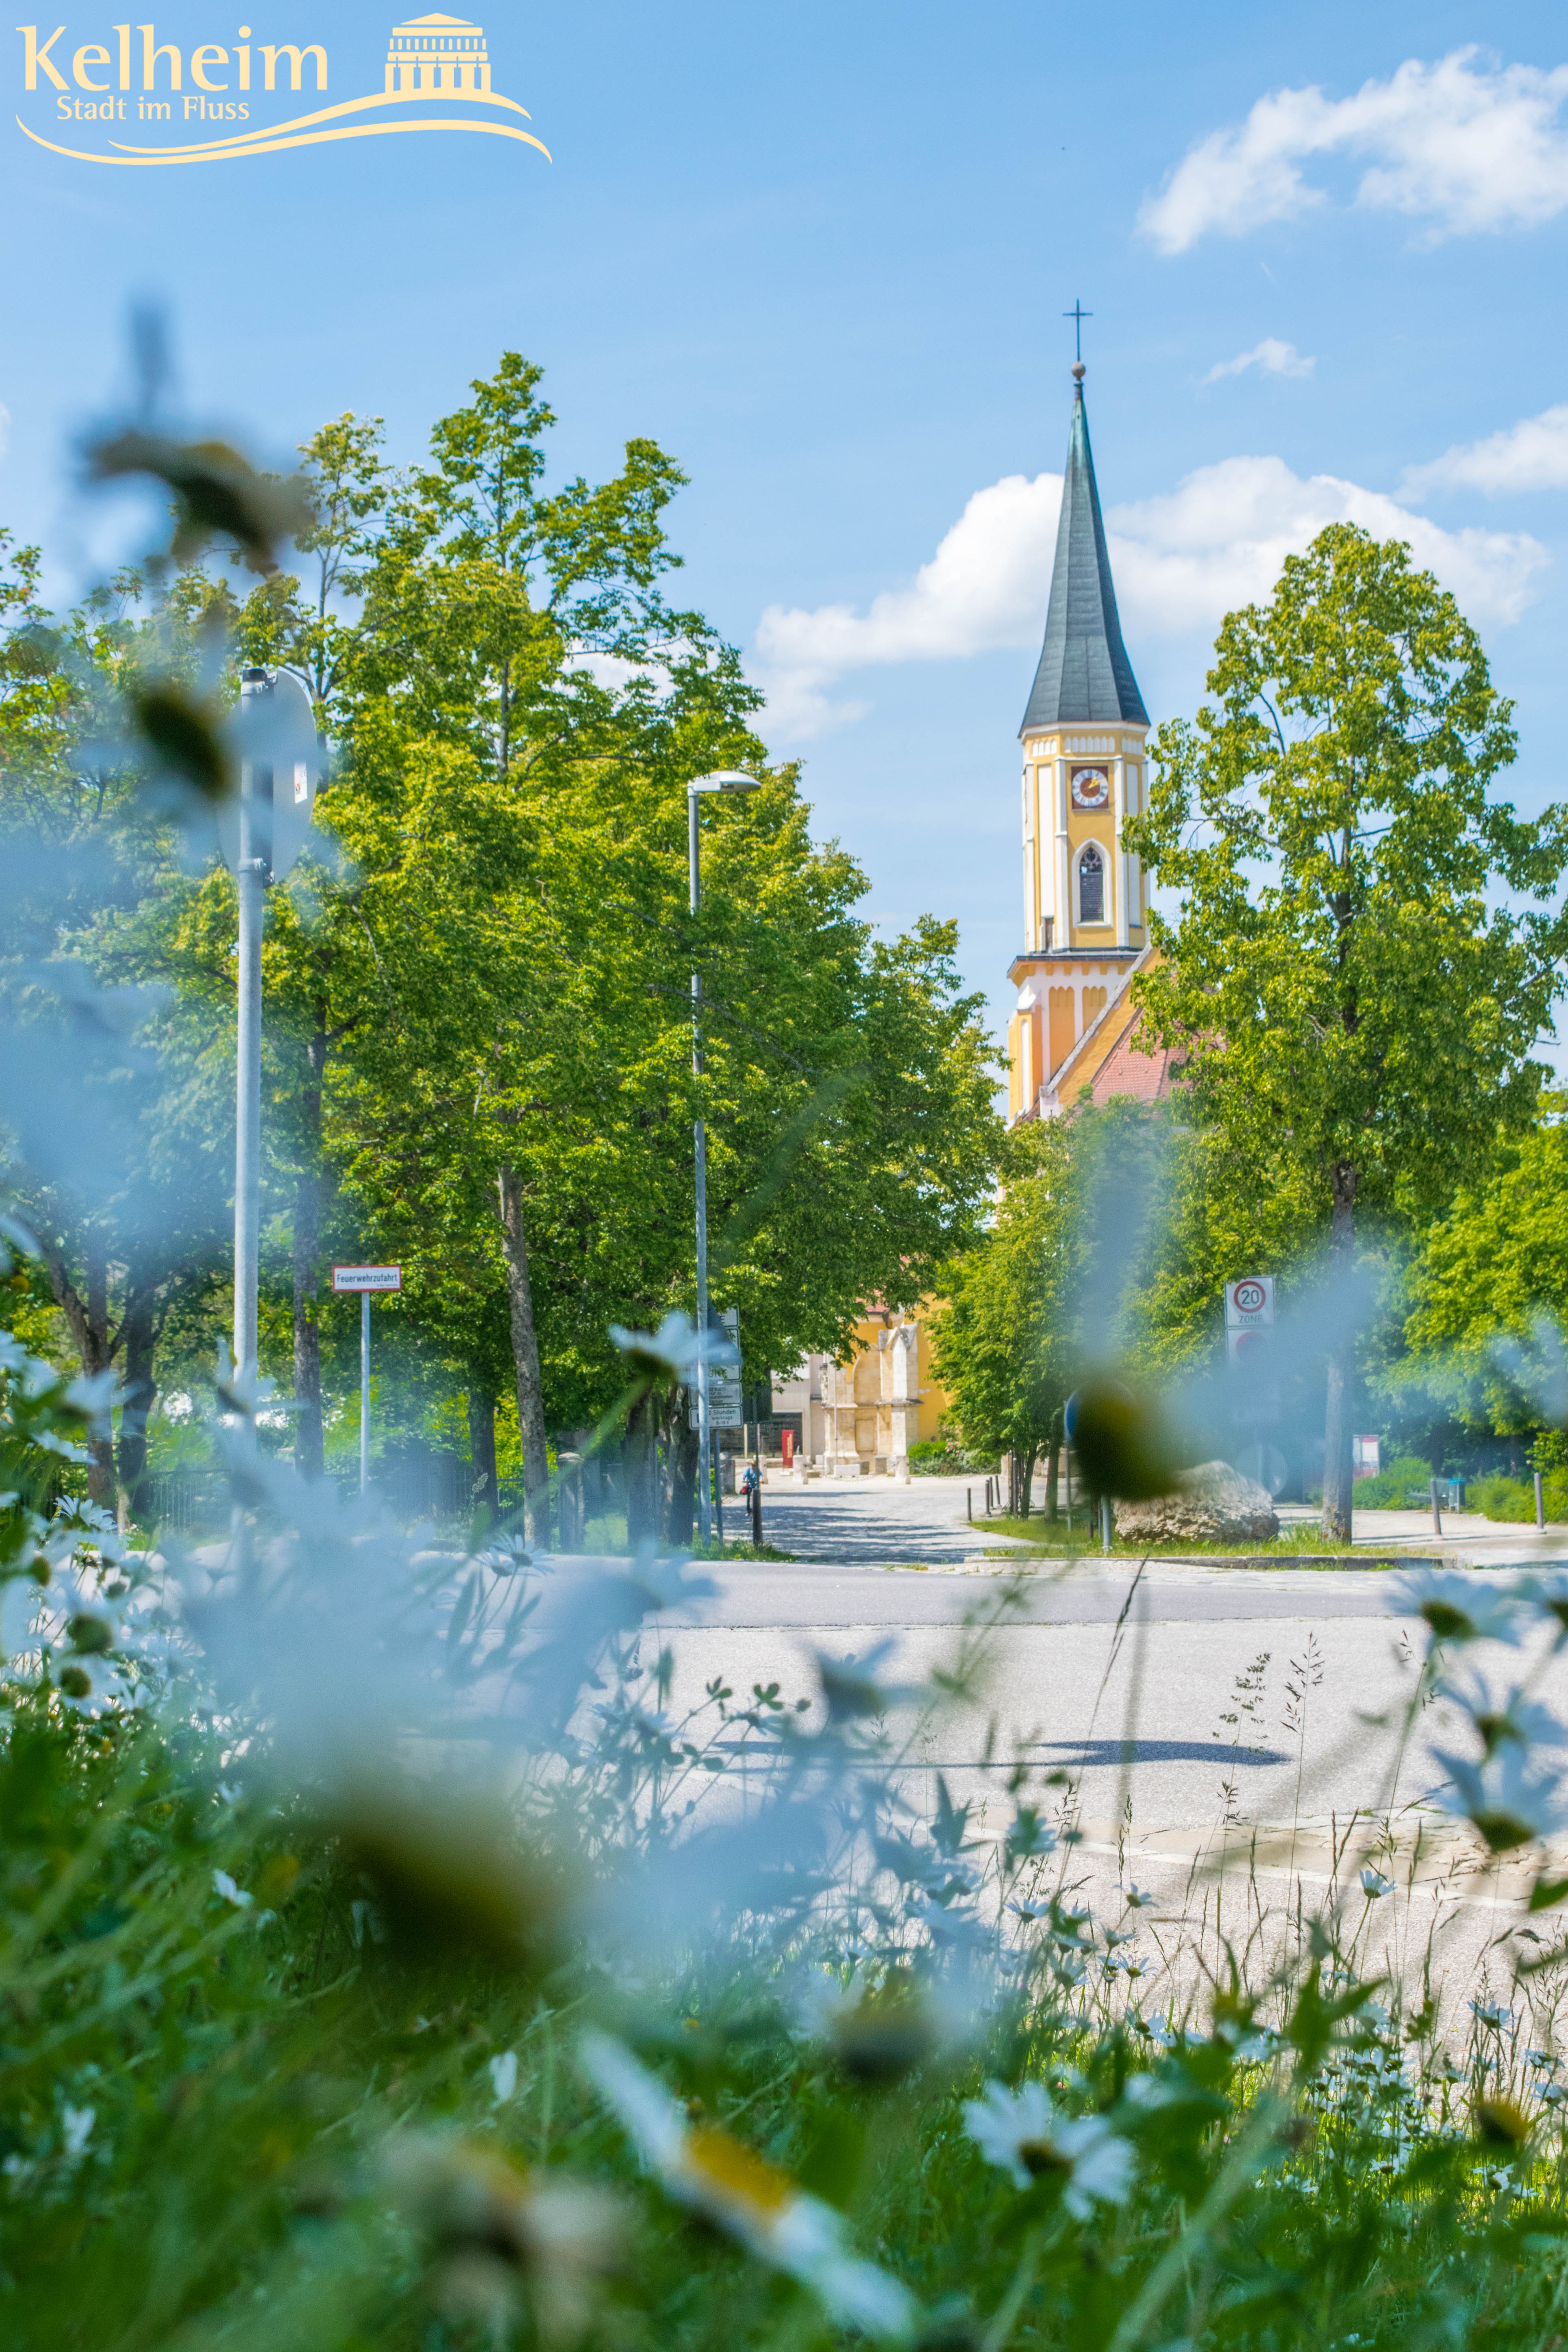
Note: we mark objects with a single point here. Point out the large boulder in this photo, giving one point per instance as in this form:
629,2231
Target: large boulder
1213,1504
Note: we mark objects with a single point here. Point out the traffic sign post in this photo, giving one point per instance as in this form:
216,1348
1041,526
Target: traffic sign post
271,739
1249,1345
366,1280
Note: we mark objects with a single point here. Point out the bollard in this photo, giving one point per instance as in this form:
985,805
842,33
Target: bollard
1436,1511
969,1505
1540,1503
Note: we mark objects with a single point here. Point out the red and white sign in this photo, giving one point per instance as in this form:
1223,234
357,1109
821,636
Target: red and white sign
1249,1302
1249,1345
367,1278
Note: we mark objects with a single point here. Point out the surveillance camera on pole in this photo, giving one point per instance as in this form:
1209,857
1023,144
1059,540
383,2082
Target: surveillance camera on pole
262,827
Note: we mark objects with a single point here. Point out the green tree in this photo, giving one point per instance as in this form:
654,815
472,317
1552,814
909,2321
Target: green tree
1355,1014
1005,1339
90,876
1488,1288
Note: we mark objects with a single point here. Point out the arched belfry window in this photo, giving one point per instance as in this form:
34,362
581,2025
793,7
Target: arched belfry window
1091,886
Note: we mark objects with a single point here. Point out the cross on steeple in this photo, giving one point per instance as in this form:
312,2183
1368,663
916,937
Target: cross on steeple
1078,314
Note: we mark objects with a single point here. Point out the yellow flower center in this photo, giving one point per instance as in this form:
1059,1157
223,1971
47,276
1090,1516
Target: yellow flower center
723,2164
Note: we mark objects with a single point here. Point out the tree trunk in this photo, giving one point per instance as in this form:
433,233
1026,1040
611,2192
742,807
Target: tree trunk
681,1517
88,1321
1053,1475
642,1485
525,1359
140,1332
1024,1500
1338,1469
309,1442
482,1449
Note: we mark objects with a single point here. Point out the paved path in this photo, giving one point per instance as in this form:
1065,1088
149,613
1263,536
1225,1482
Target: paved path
880,1523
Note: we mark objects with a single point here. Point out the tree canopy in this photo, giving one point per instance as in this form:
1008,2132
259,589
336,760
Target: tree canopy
1359,1012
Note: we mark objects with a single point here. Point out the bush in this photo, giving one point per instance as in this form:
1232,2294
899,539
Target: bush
1388,1491
1513,1499
941,1457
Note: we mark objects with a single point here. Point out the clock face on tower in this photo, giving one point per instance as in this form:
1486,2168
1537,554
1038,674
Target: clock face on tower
1091,788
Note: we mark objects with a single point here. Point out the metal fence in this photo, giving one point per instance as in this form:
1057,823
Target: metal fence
439,1487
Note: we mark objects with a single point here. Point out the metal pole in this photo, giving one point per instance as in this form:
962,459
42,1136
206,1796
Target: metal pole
1540,1503
250,882
700,1154
364,1391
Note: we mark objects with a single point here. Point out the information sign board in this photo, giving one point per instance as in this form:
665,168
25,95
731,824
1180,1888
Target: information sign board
367,1278
726,1405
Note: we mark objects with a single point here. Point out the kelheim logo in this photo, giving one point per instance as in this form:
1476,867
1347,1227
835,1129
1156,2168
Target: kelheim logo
127,84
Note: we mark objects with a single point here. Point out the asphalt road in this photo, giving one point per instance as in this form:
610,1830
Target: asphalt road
1192,1721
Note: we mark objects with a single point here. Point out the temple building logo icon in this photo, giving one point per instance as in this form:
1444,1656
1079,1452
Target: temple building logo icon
436,78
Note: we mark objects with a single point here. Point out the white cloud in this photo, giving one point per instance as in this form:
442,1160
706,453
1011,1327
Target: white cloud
1181,562
1466,147
1530,456
1270,357
985,586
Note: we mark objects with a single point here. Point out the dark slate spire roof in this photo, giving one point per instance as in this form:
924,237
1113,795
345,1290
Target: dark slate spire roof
1084,672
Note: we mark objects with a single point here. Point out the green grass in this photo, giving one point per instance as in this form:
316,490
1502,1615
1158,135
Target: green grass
1041,1535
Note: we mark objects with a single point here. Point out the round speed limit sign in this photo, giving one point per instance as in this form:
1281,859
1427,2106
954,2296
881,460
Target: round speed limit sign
1249,1302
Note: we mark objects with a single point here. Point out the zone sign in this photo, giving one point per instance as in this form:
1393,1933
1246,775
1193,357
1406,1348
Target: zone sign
1249,1302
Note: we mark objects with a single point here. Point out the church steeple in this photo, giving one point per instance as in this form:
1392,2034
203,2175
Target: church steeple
1085,774
1084,675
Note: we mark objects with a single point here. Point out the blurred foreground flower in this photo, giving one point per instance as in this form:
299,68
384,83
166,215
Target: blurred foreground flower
1502,1798
493,2230
879,2033
1456,1609
718,2177
1517,1718
1021,2132
1123,1446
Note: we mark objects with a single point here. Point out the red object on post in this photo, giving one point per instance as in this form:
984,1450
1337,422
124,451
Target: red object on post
786,1438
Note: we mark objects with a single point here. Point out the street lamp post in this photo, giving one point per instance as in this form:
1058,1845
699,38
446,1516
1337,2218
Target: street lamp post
251,876
723,779
272,741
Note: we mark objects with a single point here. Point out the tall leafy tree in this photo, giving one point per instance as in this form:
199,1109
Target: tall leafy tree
1358,1014
88,875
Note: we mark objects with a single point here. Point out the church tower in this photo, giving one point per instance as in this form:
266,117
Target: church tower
1084,775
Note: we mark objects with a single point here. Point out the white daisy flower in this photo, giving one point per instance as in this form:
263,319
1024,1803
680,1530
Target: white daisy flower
717,2176
1459,1609
1022,2135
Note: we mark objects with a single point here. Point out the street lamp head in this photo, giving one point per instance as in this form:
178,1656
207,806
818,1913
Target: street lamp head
724,779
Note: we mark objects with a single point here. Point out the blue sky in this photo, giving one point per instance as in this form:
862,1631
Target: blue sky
822,255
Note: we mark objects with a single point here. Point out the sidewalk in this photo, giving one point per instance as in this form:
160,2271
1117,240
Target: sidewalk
1467,1540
